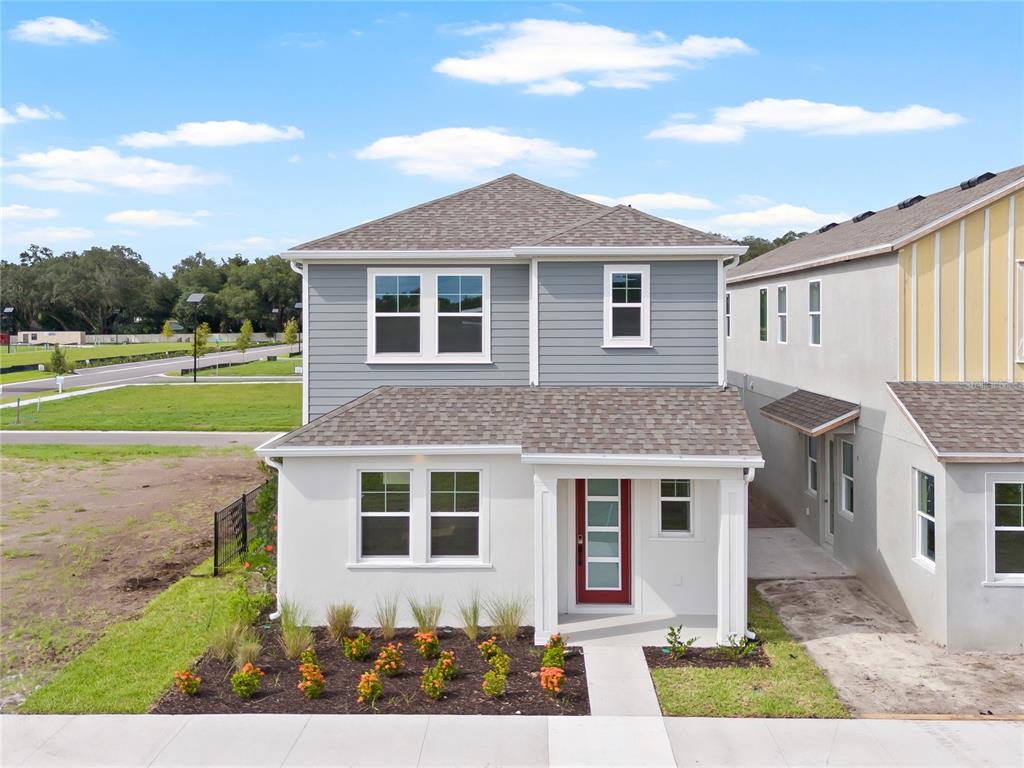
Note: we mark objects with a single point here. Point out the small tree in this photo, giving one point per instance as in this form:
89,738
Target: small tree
202,339
59,364
167,331
291,332
244,338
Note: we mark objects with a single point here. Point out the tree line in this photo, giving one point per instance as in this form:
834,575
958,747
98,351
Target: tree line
112,290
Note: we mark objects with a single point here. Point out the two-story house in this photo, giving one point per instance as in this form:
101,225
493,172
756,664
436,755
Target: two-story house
516,391
881,361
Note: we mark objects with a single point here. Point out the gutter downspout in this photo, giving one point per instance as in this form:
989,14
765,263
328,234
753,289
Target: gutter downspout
748,477
280,468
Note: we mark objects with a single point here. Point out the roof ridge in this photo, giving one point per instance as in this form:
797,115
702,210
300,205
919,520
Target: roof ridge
577,225
631,209
652,217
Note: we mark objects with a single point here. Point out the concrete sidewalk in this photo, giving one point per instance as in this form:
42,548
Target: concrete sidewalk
255,741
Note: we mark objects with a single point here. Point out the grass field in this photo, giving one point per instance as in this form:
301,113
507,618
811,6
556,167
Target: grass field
11,378
63,453
792,686
26,356
257,368
212,407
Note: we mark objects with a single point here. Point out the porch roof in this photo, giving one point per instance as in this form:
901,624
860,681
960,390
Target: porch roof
811,413
549,421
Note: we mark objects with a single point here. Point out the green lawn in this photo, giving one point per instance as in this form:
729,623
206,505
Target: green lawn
63,453
26,355
792,686
257,368
212,407
11,378
128,668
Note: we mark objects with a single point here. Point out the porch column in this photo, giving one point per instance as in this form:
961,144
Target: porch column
545,547
732,558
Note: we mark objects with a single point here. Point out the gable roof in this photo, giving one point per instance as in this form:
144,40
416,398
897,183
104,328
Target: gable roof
811,413
883,231
504,213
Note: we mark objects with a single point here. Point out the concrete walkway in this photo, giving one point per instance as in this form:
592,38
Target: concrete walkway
255,741
618,681
785,553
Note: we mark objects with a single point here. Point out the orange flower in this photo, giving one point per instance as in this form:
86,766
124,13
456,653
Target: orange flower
247,565
269,547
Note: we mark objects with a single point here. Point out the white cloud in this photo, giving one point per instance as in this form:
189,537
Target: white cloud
657,201
15,211
25,112
752,201
567,8
55,30
542,55
254,245
154,218
296,158
730,124
213,133
87,170
771,221
464,153
44,235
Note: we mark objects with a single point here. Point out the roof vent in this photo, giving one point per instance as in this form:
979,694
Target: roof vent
910,201
827,227
977,180
861,216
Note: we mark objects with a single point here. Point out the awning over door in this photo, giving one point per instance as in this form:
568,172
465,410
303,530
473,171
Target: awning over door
810,413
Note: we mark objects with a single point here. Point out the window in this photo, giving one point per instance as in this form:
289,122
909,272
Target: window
728,314
847,477
814,311
924,515
384,514
782,314
428,315
604,522
676,507
627,313
1020,311
1008,546
812,464
763,315
454,514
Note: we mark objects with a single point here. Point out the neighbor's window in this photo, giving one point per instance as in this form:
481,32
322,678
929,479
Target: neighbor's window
782,313
924,515
627,321
1009,529
847,477
814,311
454,514
397,313
384,514
763,314
676,507
460,313
728,314
812,464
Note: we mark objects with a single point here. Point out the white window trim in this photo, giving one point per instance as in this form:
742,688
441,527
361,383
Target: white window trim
992,579
1019,357
482,534
644,339
428,315
728,314
812,313
780,315
919,557
847,513
398,559
694,533
812,461
762,293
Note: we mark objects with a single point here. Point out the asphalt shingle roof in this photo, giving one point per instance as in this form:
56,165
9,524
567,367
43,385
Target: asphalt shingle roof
811,413
962,418
673,421
503,213
874,233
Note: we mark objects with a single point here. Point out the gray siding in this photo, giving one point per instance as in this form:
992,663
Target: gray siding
337,353
684,327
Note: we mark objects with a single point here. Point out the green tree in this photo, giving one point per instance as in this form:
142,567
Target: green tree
167,331
59,364
202,339
291,332
244,337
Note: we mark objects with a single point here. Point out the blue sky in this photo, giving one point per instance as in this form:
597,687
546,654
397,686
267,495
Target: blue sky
250,127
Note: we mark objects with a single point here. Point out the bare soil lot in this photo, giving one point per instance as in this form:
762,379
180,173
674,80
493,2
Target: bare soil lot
85,543
877,660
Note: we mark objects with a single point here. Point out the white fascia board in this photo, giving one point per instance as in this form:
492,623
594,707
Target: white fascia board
639,251
385,450
644,460
872,250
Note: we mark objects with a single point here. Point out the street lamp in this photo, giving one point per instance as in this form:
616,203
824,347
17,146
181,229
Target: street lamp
9,317
113,323
194,300
276,312
298,313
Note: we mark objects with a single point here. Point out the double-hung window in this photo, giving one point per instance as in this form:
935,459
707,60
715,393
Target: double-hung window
1008,533
454,514
924,516
762,314
429,315
384,514
812,464
676,513
782,313
627,305
847,449
814,311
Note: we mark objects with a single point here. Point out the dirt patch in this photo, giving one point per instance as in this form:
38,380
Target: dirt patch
402,695
85,544
879,662
709,658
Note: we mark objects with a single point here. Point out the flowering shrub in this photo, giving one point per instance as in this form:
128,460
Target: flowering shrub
494,683
489,648
553,657
446,663
369,688
432,682
551,679
555,641
187,683
389,660
427,644
246,681
312,682
357,648
501,662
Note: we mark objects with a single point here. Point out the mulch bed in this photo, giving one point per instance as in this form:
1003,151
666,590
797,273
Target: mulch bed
402,695
709,658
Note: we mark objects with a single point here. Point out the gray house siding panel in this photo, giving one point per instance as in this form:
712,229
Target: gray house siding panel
684,327
337,352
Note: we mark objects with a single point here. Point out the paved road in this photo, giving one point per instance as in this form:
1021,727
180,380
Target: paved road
137,373
206,439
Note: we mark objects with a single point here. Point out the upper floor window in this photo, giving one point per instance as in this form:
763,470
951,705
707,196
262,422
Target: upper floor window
627,305
428,315
814,311
782,313
763,314
728,314
1008,530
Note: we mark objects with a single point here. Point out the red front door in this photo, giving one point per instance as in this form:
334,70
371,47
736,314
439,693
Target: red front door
602,541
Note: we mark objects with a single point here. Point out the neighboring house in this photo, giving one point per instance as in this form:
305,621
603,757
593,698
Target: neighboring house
49,337
516,391
881,361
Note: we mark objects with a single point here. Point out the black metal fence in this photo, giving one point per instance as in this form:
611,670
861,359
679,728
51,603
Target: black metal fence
231,529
